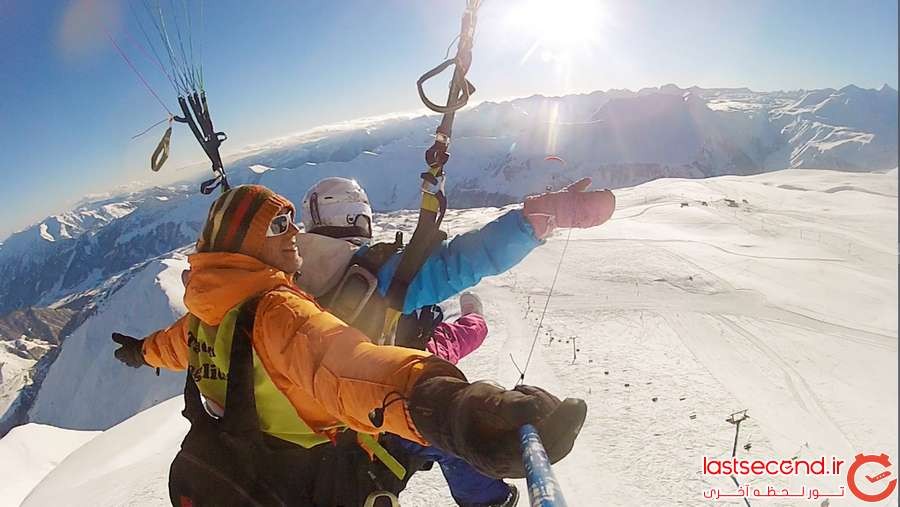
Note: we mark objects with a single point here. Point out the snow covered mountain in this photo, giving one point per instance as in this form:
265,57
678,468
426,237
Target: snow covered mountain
619,138
15,373
79,379
73,252
26,336
45,324
499,154
774,293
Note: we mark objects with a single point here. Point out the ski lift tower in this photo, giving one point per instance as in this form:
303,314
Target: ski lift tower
736,419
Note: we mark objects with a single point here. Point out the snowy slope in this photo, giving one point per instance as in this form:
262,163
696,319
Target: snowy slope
86,374
25,337
849,129
29,452
778,296
100,473
14,374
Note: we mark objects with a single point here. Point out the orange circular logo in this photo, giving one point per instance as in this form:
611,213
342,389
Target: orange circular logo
862,459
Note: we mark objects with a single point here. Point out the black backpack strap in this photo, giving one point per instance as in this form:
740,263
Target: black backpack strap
240,415
193,403
240,401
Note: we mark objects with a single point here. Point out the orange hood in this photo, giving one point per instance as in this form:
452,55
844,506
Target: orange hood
220,280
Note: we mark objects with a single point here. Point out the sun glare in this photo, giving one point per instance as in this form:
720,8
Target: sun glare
559,27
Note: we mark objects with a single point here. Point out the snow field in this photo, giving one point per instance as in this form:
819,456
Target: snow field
666,320
30,452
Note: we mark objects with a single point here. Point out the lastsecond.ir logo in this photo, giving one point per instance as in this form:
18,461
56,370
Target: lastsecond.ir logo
853,482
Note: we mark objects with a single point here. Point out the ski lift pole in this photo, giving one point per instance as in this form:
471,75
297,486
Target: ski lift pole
543,488
736,418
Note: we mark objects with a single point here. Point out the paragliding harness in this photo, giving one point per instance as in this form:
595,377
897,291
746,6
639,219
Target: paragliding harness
229,461
356,300
434,201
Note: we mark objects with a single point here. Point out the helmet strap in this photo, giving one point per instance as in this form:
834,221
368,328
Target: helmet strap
314,209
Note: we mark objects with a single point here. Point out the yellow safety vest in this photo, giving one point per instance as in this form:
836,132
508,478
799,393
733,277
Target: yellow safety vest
209,350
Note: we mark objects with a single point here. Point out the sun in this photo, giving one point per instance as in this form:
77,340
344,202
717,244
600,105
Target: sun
559,27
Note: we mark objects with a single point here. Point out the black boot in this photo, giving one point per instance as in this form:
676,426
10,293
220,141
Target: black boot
511,499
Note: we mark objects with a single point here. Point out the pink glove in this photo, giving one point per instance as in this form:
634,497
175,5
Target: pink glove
570,207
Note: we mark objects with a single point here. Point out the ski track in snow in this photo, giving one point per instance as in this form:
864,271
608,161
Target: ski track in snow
664,337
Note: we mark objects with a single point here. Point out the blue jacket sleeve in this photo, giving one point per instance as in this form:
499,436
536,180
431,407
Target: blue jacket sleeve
463,261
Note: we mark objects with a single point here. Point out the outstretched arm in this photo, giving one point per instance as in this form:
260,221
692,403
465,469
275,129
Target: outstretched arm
312,355
501,244
167,348
424,399
463,261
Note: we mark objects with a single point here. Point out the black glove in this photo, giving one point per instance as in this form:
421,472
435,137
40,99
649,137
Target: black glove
480,422
131,351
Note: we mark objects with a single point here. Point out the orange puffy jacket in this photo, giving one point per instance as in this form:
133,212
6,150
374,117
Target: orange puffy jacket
330,372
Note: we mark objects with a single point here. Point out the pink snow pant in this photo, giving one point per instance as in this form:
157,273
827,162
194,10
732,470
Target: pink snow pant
454,341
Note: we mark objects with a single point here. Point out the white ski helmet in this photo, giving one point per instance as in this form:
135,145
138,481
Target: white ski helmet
339,208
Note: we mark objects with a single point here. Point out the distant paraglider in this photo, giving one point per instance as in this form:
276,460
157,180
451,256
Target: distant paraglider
553,165
555,158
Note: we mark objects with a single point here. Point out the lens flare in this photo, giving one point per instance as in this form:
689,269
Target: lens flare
559,27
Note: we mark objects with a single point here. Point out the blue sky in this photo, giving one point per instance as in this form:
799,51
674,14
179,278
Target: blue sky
70,104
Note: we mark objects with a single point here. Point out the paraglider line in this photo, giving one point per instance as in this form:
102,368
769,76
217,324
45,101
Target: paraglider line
513,359
190,31
140,46
147,85
200,48
173,57
450,47
546,304
179,86
148,129
188,65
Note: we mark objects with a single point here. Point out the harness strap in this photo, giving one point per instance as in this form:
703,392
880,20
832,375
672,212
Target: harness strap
426,237
161,153
240,414
434,200
193,404
240,401
373,448
240,418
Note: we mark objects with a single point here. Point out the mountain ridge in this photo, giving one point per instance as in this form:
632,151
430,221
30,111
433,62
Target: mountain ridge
619,138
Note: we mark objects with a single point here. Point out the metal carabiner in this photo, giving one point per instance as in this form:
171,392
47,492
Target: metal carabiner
375,495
